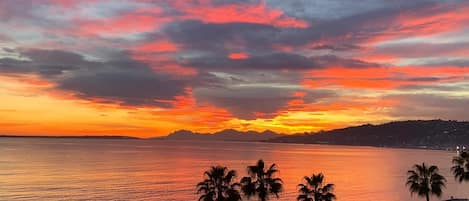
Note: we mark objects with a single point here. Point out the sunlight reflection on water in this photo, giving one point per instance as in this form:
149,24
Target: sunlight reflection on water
77,169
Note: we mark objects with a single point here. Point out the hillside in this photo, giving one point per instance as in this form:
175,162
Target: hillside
420,133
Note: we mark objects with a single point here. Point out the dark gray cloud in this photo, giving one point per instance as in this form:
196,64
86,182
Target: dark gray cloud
131,87
11,9
423,79
275,61
243,86
244,102
197,35
29,13
44,62
121,80
10,65
317,10
415,50
245,93
313,96
337,47
265,62
350,30
430,106
8,50
442,88
128,82
53,56
445,62
331,60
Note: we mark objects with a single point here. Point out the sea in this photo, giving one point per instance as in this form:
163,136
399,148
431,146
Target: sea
163,170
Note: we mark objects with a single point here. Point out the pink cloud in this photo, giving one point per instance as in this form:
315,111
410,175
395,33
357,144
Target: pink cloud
207,12
120,25
384,78
157,46
238,55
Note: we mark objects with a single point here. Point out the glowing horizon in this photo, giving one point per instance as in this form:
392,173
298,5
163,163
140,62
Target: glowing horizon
145,68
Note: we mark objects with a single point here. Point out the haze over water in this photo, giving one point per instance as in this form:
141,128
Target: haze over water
77,169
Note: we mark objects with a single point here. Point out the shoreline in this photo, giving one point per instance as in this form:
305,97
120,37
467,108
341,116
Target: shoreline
71,137
116,137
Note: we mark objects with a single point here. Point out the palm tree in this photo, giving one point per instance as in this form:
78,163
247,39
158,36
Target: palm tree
315,190
461,167
425,181
261,182
218,185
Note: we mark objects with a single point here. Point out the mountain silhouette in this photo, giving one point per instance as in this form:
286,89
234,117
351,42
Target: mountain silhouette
224,135
437,134
416,133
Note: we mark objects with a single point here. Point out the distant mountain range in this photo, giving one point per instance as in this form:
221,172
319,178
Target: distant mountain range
436,134
224,135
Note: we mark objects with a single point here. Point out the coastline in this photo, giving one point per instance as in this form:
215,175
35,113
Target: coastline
118,137
72,137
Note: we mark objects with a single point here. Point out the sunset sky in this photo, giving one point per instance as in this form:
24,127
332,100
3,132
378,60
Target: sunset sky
146,68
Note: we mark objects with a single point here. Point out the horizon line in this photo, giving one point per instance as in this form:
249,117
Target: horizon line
116,136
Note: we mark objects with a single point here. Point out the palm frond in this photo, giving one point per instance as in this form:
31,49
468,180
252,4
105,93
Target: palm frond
461,167
425,180
261,181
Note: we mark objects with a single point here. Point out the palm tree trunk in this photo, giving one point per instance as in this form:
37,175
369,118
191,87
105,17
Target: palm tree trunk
428,197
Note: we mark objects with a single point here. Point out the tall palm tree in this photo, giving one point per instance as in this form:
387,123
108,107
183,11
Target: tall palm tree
261,182
315,190
461,167
218,185
425,181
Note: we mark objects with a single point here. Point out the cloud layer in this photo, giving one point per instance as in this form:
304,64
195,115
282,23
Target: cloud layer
290,66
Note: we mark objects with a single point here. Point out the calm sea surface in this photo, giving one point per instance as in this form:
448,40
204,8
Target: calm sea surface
88,169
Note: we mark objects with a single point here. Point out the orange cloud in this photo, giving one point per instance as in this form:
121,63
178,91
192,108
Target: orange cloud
383,78
138,21
249,13
157,46
437,18
238,56
341,112
173,69
63,114
161,62
424,21
25,96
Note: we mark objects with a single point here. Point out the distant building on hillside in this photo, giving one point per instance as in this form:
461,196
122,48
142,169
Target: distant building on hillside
461,148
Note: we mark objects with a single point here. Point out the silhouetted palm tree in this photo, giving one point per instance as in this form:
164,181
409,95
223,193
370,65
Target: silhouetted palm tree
425,181
315,190
261,182
461,167
219,186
